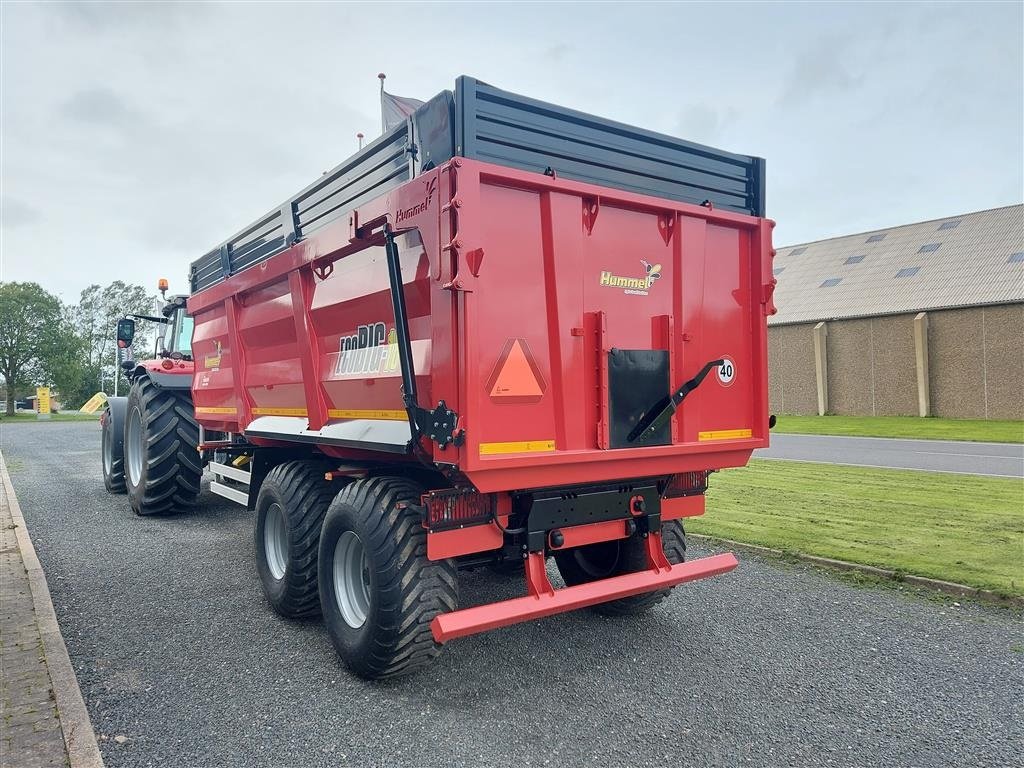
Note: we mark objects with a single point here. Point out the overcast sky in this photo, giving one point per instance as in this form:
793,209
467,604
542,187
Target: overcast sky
138,136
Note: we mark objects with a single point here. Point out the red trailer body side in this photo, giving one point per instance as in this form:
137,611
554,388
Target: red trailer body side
535,307
518,286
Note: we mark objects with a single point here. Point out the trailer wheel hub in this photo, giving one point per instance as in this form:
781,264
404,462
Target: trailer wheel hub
351,579
275,541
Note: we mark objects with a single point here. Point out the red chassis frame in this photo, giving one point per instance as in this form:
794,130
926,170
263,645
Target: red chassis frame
544,600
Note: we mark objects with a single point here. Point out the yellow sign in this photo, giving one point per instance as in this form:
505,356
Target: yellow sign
522,446
213,361
94,403
725,434
43,400
376,414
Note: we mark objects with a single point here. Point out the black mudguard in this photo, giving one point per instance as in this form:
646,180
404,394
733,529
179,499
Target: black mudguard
116,411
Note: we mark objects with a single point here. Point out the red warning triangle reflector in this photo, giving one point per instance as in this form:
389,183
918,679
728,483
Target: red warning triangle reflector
516,377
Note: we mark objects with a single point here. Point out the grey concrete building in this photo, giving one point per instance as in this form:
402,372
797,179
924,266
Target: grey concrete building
925,319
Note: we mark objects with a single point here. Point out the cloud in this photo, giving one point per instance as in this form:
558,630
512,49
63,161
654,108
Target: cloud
557,52
704,123
107,16
17,213
100,106
820,69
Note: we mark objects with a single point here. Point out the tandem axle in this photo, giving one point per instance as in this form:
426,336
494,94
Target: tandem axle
524,527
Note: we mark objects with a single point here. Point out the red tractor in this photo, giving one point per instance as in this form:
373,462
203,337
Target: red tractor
150,438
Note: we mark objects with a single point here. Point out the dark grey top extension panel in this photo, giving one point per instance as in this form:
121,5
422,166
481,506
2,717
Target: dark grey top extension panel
506,129
481,122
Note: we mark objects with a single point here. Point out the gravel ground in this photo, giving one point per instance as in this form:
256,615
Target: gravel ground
182,663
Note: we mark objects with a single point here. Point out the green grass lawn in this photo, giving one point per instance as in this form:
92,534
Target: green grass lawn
959,528
976,430
21,418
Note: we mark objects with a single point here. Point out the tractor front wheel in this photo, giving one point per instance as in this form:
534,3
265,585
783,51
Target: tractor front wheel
378,590
162,464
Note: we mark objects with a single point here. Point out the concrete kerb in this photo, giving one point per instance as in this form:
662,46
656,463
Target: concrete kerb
946,587
79,738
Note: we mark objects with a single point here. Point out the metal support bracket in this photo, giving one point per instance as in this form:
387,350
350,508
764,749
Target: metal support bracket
537,582
546,511
440,425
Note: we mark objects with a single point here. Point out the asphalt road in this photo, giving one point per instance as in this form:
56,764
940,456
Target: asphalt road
992,459
772,665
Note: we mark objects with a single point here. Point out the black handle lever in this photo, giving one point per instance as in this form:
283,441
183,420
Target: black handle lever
650,424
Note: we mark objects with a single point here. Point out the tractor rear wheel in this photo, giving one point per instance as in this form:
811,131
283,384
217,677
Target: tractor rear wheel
290,512
615,558
163,468
112,445
378,590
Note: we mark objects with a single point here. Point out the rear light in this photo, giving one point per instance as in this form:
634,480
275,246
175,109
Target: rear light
167,364
686,484
456,509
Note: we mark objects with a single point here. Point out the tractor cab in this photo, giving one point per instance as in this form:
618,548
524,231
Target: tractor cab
174,327
174,339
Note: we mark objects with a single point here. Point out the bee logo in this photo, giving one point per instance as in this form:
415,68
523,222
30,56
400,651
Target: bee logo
653,272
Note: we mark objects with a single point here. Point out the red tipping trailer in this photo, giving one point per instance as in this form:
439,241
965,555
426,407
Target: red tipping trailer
483,364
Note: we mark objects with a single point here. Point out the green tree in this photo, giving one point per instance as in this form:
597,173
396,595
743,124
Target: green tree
73,376
35,338
95,319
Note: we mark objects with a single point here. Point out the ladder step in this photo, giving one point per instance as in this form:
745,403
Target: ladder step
240,497
233,473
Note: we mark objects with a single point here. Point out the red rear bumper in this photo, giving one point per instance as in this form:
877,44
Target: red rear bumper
469,621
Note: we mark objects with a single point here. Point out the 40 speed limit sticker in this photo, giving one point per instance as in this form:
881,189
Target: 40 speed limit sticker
726,371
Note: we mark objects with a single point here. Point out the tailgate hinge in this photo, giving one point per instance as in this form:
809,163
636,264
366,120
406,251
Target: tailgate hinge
440,424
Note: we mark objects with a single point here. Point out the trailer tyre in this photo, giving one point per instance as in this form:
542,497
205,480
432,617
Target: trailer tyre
614,558
112,445
162,464
378,590
290,511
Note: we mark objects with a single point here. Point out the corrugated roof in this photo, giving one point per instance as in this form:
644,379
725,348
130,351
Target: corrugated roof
963,261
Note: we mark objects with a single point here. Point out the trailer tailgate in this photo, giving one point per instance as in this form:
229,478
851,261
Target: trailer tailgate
590,306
